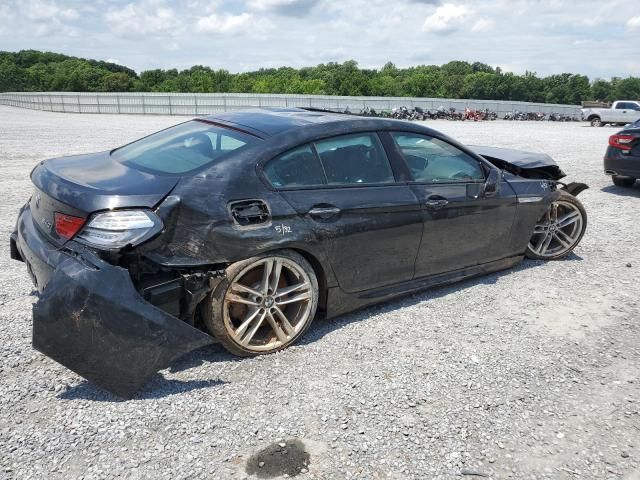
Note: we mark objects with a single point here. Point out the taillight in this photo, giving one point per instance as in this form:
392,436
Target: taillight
622,142
67,225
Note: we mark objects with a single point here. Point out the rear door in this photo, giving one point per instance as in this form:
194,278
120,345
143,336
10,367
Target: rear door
462,226
346,188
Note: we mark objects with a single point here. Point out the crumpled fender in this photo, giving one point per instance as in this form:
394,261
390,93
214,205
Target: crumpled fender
91,319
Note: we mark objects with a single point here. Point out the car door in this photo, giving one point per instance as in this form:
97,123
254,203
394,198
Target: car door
623,112
464,223
346,188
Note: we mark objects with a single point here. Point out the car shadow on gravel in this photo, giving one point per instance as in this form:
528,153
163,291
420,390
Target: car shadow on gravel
623,191
158,387
321,328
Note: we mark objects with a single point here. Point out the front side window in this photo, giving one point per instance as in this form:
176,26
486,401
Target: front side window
354,159
432,160
183,148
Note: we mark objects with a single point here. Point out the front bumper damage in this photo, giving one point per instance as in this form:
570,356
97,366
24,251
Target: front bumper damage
91,319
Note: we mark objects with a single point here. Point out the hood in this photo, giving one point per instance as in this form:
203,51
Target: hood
522,163
96,181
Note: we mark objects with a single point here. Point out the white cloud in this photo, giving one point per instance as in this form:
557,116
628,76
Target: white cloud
293,8
634,22
42,10
147,17
215,23
446,19
483,25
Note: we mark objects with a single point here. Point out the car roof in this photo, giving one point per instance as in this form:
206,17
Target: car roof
266,122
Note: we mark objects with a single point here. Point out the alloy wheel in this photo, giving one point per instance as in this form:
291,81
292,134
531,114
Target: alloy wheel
267,304
558,231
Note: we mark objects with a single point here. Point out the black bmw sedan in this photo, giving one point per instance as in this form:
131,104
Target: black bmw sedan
622,159
243,227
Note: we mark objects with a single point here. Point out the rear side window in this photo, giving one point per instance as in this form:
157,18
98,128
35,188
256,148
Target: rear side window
299,167
183,148
432,160
354,159
357,159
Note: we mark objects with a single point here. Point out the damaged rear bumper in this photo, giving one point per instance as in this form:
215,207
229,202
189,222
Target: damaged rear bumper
91,319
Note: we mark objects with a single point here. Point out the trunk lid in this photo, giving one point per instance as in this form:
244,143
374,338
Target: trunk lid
82,184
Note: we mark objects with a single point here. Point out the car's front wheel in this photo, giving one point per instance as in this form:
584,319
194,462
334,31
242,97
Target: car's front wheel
559,230
621,181
264,304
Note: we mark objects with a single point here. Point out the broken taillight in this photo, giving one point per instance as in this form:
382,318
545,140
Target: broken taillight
67,225
622,142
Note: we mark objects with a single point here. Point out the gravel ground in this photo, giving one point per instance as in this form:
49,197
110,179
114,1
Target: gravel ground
529,373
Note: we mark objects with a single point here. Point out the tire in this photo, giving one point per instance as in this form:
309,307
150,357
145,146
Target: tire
596,122
246,320
621,181
560,240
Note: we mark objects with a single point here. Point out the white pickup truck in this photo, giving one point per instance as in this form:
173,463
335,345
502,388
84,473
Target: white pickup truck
621,112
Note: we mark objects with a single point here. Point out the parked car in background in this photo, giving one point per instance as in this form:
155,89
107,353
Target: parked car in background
622,159
620,113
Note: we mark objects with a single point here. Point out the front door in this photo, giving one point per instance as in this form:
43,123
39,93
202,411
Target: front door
462,226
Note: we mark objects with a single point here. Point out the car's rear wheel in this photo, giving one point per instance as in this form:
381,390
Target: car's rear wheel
264,304
559,230
621,181
596,122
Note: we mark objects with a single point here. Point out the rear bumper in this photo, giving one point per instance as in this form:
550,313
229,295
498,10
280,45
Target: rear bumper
91,319
625,165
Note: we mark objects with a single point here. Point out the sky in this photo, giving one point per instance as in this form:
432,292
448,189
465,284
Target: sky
598,38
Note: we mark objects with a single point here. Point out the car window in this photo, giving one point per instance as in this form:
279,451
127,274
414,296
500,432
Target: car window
182,148
624,106
299,167
354,159
432,160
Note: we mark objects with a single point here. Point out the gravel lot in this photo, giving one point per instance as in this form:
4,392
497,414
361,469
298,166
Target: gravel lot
530,373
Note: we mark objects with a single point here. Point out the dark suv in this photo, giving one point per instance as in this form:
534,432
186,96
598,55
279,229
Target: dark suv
622,159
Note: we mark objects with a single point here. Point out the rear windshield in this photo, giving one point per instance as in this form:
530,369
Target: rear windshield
183,148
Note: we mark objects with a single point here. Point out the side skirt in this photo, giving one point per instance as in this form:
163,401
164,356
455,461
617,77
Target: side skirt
340,302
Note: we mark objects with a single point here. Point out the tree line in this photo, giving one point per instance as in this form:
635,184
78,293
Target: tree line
32,70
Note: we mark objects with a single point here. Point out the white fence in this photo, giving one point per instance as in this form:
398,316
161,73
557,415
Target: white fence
206,103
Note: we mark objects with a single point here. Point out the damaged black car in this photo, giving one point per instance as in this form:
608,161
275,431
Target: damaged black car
243,227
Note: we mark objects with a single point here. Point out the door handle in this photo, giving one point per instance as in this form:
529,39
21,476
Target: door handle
324,212
436,204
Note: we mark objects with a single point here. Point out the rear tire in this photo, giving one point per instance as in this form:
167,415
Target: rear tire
621,181
264,304
596,122
559,230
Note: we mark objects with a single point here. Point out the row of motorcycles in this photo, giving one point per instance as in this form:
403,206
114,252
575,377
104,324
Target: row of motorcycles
418,113
539,116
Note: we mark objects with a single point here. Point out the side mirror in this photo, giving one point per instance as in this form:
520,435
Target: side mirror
492,184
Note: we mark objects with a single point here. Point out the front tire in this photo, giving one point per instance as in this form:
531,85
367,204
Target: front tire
559,230
264,304
620,181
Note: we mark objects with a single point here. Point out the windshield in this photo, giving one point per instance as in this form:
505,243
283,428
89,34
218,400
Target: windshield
183,148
